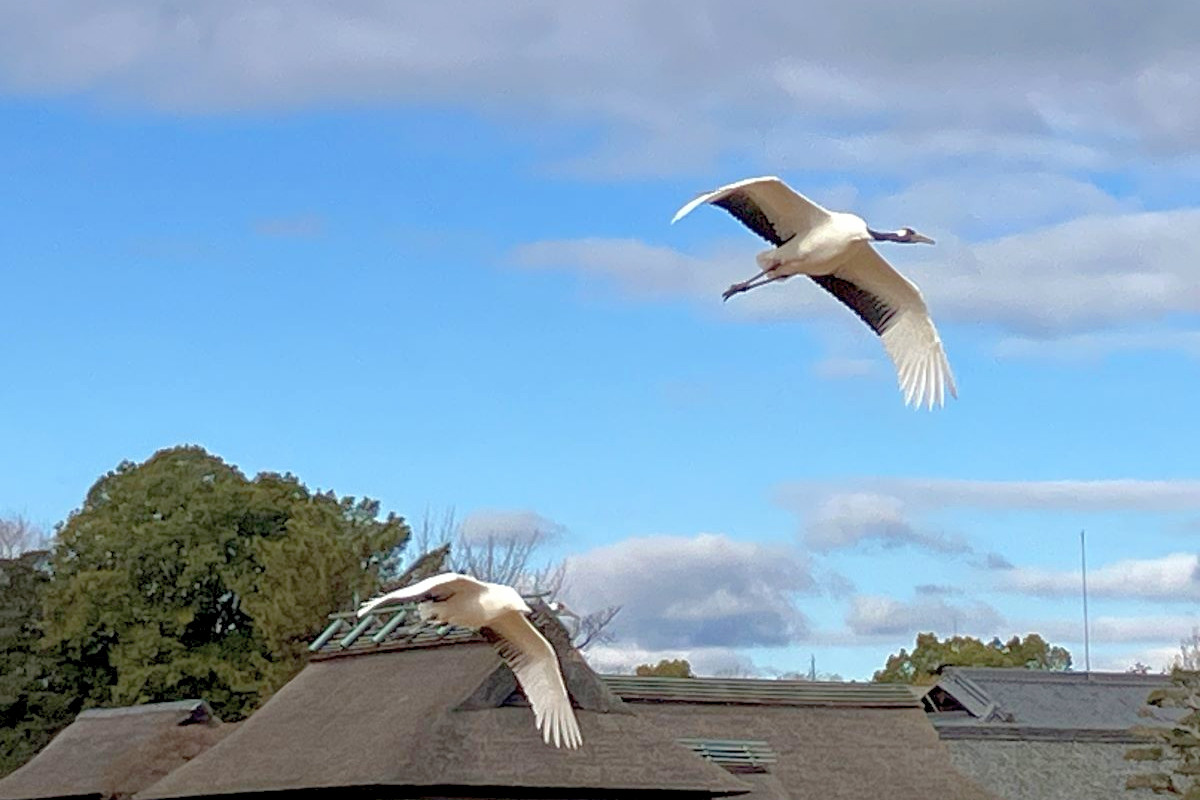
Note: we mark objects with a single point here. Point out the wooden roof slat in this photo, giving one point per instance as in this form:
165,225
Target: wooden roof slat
733,754
761,692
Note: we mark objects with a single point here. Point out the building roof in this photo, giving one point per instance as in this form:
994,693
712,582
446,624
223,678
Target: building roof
439,713
116,751
991,702
1046,769
829,740
1040,735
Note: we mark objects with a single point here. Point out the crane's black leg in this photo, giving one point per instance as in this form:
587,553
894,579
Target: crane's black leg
761,279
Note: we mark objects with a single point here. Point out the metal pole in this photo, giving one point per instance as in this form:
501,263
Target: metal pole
1087,655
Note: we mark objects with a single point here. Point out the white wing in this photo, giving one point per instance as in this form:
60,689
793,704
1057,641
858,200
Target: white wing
767,206
533,661
437,587
893,307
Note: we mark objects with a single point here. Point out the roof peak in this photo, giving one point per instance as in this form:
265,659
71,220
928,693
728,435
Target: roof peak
195,711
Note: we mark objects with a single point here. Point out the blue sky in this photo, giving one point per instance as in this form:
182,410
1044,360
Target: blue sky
422,254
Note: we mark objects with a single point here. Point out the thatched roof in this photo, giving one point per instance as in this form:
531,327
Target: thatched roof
115,752
836,741
440,716
1012,703
1044,769
1038,735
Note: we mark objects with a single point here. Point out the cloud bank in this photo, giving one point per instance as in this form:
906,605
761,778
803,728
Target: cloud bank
703,591
1024,83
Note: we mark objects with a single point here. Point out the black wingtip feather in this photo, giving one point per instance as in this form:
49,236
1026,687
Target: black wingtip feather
869,308
749,214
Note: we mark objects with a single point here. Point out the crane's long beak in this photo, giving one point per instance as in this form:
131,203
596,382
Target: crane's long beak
923,239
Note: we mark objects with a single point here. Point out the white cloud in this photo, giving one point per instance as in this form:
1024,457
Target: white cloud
923,494
1090,346
876,615
508,525
846,520
1157,658
675,84
703,591
1080,275
936,590
974,206
889,512
641,270
1171,578
995,561
623,659
1111,629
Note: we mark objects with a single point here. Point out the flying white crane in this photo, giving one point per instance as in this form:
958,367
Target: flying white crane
834,249
461,600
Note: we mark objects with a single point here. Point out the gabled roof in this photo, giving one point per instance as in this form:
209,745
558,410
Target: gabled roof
116,751
414,713
1038,704
1040,735
835,741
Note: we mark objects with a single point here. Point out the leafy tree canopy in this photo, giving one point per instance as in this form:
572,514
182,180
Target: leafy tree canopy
921,665
35,700
179,577
666,668
1170,764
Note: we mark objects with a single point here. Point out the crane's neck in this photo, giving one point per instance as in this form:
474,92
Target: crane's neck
888,236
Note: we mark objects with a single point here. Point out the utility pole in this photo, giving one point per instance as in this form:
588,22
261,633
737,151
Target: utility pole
1087,655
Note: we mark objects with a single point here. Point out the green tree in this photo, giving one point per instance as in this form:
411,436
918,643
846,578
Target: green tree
35,697
666,668
179,577
921,665
1172,761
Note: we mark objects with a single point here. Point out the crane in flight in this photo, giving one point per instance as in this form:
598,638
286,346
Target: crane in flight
454,599
834,249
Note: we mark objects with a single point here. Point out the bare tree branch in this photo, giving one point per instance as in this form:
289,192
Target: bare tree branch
593,627
1189,653
507,557
17,534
